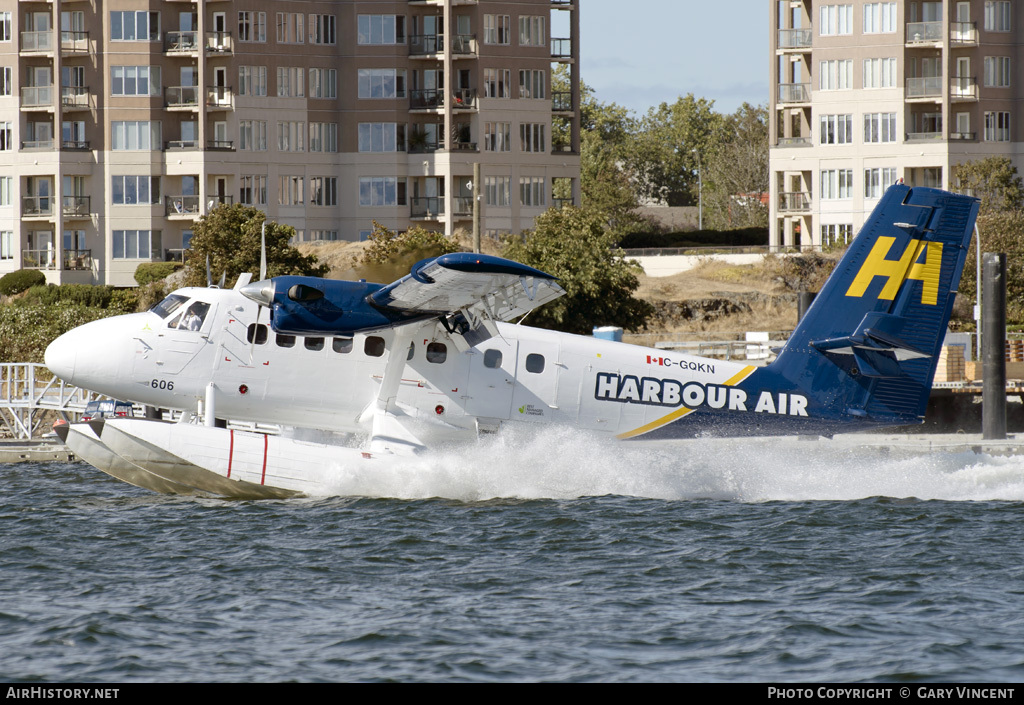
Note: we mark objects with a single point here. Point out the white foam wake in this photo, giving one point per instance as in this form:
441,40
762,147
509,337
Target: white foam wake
567,464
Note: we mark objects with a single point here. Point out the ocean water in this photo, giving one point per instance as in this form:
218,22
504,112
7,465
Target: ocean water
552,557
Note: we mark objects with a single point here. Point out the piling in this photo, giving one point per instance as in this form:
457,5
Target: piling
993,346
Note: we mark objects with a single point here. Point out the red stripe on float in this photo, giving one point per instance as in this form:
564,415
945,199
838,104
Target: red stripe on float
231,451
263,479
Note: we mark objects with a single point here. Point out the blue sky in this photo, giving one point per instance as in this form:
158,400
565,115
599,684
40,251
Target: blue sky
645,52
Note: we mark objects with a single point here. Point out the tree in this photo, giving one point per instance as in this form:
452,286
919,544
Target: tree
1000,232
672,143
391,255
994,180
575,245
736,188
230,235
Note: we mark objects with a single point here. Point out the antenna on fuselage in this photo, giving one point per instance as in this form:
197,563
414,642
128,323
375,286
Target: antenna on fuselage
263,252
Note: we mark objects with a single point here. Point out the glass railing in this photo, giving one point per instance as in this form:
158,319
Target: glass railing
794,92
181,42
36,205
181,96
77,259
74,41
795,38
37,96
181,205
37,144
923,136
794,201
74,144
220,144
795,142
182,144
462,205
426,207
220,96
924,32
74,96
928,87
963,87
218,42
561,48
561,101
37,41
39,259
75,206
963,32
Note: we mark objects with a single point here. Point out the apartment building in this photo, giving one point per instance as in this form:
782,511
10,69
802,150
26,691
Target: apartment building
123,122
866,93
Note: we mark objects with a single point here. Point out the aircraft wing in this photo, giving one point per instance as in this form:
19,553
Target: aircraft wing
492,287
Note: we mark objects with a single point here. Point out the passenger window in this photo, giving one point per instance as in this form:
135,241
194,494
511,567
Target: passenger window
374,346
285,341
257,334
535,363
314,343
437,353
342,345
492,359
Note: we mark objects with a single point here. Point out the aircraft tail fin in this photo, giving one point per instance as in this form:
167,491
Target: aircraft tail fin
869,344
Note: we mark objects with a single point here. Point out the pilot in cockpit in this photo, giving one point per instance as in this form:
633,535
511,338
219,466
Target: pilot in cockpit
193,318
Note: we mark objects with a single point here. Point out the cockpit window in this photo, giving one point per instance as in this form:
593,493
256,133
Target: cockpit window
169,305
194,316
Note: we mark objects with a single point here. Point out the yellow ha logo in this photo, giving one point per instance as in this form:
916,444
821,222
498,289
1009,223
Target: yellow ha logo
921,261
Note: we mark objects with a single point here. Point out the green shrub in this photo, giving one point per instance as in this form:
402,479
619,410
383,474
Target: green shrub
149,272
124,300
80,294
17,282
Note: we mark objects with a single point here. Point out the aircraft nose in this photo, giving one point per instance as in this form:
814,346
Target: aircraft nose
60,356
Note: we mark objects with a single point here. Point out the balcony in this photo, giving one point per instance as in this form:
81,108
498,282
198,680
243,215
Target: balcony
963,88
181,43
924,136
75,98
794,202
37,98
74,42
929,88
39,259
562,203
74,145
181,206
794,92
75,260
432,99
75,207
219,43
795,142
430,45
36,206
964,136
795,38
427,208
924,33
181,145
220,145
561,49
37,42
181,97
220,98
462,206
963,33
561,102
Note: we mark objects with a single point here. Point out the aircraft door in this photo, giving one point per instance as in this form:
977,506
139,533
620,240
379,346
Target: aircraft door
536,387
492,379
176,345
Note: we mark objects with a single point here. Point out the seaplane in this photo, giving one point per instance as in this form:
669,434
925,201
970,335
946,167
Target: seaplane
364,374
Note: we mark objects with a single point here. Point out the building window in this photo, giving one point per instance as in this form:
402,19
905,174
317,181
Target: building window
997,16
531,191
381,83
325,236
135,190
531,31
876,181
134,244
134,26
135,135
381,191
880,73
291,136
531,137
7,244
5,80
381,29
291,82
291,190
836,129
6,184
836,19
496,29
252,135
879,17
879,127
253,190
252,80
252,26
323,191
496,83
496,190
6,137
497,137
997,71
323,83
323,137
321,29
290,28
381,137
834,235
997,127
5,26
532,83
836,184
134,80
836,75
